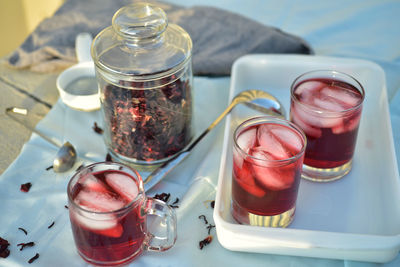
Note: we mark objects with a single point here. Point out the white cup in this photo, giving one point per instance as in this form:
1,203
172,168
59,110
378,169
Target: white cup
77,85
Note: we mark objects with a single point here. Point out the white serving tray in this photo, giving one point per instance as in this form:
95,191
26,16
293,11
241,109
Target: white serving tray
355,218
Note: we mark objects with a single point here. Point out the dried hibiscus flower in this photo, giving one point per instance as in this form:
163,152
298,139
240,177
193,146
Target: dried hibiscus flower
23,230
212,204
109,157
51,225
4,251
205,241
97,129
33,258
163,197
24,245
25,187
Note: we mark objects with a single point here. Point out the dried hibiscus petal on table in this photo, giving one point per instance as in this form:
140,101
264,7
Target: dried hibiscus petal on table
33,258
205,241
24,245
25,187
4,251
23,230
97,129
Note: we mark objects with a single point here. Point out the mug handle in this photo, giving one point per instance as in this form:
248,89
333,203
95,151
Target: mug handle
161,225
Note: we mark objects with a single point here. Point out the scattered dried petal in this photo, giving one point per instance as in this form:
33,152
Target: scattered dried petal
108,157
210,227
25,187
51,225
97,129
205,241
204,218
176,201
163,197
23,230
24,245
34,258
4,251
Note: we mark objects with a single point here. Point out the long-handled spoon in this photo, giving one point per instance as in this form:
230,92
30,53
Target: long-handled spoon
66,155
269,105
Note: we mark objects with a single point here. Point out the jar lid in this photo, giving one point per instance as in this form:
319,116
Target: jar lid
140,42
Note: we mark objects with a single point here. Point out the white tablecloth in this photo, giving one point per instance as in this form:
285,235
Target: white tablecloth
357,29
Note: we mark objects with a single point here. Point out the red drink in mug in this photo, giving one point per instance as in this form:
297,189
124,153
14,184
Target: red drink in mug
267,160
327,105
108,213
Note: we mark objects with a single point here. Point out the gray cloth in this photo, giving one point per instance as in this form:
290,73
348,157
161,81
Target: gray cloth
219,37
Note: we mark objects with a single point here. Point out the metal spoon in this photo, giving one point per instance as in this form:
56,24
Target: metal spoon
256,99
66,155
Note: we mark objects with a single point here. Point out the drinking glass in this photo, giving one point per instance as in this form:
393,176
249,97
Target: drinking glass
268,155
110,215
327,106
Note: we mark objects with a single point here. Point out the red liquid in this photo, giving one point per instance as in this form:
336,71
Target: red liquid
331,139
259,186
119,237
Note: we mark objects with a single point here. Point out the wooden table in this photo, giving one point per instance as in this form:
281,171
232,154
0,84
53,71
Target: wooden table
36,92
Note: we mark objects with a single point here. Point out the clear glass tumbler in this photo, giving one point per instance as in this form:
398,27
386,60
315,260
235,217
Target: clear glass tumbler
327,106
268,155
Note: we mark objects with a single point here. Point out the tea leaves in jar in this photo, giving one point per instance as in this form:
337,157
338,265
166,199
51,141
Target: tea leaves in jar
148,124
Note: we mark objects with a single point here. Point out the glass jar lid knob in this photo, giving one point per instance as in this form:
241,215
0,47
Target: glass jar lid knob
139,21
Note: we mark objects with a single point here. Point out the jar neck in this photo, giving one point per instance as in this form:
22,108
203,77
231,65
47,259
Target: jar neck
146,43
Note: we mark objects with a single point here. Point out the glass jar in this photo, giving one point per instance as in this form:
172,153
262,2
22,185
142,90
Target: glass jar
144,71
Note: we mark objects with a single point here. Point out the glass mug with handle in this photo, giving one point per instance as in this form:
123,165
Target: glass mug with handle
110,215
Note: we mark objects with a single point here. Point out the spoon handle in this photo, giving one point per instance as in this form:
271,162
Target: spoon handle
158,174
21,111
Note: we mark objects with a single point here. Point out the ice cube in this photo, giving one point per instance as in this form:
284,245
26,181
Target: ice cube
123,185
105,224
309,130
343,95
246,181
329,104
98,201
353,122
92,183
270,143
347,125
312,119
309,88
247,139
272,177
288,139
339,129
266,155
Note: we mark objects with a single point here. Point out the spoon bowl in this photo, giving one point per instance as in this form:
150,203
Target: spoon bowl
66,155
65,158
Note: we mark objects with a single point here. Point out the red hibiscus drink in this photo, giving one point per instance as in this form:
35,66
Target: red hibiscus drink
267,159
327,106
108,213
